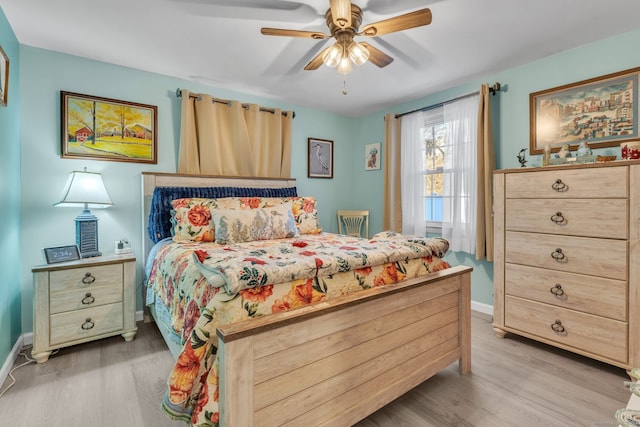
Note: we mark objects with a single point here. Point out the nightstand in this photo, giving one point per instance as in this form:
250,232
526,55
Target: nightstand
84,300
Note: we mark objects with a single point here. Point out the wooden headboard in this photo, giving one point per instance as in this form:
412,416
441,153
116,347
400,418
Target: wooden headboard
152,180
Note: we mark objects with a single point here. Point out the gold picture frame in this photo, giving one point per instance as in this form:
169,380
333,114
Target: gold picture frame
107,129
4,78
601,111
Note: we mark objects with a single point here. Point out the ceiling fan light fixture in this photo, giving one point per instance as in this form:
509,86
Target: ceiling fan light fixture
358,53
333,55
344,67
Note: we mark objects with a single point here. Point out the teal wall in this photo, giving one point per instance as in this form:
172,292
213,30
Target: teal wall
33,173
10,288
511,123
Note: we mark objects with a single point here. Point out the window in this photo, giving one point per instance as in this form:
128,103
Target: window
435,147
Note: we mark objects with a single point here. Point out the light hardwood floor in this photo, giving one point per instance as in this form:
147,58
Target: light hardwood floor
514,382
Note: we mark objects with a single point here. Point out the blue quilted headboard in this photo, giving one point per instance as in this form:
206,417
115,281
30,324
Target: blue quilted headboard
159,225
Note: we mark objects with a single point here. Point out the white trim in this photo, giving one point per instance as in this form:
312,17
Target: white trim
482,308
139,316
8,363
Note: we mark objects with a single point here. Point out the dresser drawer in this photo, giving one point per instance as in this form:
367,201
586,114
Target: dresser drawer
582,255
589,294
600,336
77,299
85,277
569,183
68,326
574,217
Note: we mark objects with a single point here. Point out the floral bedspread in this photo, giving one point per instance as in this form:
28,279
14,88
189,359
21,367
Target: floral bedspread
197,306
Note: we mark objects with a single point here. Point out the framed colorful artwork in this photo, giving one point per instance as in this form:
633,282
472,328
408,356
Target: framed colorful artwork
319,158
372,156
603,112
107,129
4,77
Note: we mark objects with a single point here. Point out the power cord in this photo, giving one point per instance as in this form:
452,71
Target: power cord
28,361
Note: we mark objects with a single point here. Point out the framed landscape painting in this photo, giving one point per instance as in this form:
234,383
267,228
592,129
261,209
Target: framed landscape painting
602,111
107,129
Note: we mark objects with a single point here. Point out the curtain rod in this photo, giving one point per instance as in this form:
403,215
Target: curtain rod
493,89
245,106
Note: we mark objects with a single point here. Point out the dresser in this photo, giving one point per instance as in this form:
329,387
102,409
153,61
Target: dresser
80,301
566,261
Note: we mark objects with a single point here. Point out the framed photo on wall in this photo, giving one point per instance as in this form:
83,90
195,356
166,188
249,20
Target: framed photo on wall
372,156
107,129
602,111
319,158
4,77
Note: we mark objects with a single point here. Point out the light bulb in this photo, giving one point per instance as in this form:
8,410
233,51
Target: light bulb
358,53
332,56
344,67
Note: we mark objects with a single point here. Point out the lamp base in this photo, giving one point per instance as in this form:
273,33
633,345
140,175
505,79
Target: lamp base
87,234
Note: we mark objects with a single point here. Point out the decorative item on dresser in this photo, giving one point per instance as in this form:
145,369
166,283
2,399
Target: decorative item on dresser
80,301
566,251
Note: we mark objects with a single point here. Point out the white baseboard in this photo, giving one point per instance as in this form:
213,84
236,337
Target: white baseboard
482,308
13,355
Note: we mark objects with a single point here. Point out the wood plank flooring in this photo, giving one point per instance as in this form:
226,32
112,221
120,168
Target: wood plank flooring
514,382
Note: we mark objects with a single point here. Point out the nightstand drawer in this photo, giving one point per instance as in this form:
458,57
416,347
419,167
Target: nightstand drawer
84,277
78,299
593,334
82,324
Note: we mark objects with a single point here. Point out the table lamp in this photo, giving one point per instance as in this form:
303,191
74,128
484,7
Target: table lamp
86,189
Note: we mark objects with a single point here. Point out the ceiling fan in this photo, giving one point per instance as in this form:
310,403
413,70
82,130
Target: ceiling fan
343,19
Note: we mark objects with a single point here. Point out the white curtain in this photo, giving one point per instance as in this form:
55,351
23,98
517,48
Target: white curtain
412,185
460,174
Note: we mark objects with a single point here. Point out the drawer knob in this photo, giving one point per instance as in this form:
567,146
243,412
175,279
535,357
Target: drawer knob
558,255
558,328
88,324
558,218
88,299
557,291
559,186
88,279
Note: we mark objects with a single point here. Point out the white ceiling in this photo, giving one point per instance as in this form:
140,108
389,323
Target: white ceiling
218,42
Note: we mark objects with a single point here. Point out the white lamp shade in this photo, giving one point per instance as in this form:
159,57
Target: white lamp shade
358,53
344,67
85,188
332,56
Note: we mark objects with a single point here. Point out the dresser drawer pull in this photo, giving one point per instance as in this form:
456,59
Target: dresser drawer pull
88,324
557,291
88,299
558,255
88,279
558,218
558,328
559,186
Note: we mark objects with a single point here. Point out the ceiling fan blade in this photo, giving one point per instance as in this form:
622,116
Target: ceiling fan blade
293,33
316,62
399,23
376,56
341,12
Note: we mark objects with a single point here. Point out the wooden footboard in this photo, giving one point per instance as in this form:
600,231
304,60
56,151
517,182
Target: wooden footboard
335,362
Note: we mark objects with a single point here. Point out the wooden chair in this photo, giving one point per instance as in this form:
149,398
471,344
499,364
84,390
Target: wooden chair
353,222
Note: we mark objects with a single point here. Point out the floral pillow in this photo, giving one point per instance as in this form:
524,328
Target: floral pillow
304,209
191,220
247,225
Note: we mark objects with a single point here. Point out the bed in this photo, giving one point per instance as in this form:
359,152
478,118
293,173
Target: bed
297,356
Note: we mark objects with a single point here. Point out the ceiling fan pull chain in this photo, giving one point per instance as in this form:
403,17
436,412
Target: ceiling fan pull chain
344,87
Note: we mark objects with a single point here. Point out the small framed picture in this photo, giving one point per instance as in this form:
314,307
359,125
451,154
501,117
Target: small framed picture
372,156
61,254
320,158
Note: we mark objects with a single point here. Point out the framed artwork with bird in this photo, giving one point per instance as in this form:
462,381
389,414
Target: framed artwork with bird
319,158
